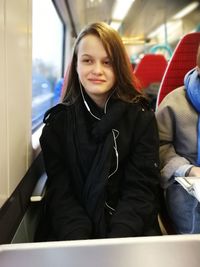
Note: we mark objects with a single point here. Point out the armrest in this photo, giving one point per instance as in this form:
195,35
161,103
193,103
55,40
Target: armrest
39,190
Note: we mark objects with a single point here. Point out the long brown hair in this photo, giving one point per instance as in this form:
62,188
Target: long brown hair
126,83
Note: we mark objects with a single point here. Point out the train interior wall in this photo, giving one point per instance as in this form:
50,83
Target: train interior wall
15,100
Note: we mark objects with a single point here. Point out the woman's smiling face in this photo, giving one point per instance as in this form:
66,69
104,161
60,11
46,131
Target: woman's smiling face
95,69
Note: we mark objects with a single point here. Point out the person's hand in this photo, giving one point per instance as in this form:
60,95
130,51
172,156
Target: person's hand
194,171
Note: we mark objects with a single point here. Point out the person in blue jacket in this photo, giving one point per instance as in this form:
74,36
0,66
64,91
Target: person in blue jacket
101,147
179,130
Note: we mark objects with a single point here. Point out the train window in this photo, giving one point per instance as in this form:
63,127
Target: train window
47,58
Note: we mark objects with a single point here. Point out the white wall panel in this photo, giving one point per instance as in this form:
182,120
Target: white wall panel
3,105
15,108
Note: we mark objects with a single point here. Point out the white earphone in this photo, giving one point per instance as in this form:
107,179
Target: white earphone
115,132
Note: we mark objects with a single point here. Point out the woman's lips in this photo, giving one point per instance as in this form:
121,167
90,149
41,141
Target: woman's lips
96,80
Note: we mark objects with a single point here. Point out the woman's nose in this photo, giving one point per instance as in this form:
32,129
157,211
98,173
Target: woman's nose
97,68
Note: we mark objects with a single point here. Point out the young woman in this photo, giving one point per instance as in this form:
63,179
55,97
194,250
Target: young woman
101,147
179,129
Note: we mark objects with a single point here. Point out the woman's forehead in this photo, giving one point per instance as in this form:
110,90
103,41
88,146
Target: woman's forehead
91,45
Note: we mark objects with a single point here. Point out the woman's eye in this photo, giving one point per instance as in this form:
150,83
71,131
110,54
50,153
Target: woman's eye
87,60
107,63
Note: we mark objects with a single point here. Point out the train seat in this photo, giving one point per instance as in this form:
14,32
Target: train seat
182,60
150,71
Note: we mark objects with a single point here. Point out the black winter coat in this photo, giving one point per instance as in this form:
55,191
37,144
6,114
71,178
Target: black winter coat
82,201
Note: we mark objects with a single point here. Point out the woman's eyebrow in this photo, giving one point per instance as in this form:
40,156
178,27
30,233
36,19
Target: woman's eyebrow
86,55
89,55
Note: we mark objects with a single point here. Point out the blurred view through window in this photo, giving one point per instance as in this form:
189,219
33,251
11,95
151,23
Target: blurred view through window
47,58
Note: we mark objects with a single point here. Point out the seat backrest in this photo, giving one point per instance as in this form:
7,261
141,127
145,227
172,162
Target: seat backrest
150,69
182,60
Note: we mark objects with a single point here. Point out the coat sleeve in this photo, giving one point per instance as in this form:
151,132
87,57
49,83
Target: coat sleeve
68,218
170,160
137,208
